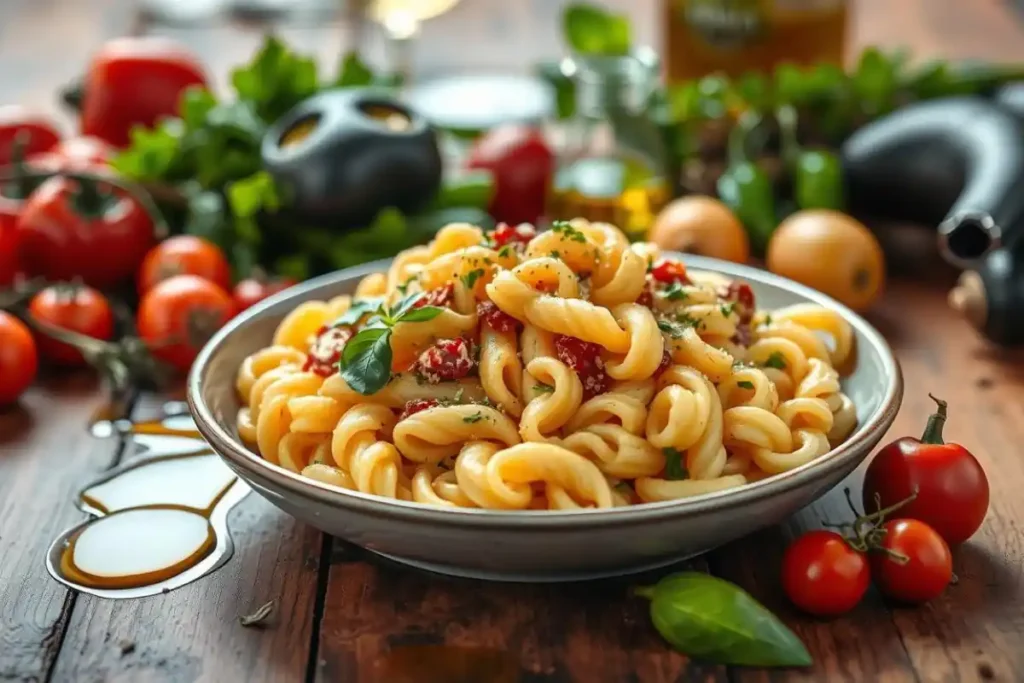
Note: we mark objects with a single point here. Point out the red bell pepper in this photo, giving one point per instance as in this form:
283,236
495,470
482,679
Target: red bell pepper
135,80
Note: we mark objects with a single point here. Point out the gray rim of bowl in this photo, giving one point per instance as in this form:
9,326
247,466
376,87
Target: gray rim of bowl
839,458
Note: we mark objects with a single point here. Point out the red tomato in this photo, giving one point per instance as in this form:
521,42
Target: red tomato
252,290
65,232
79,153
81,309
40,133
18,358
184,255
135,80
928,568
8,250
952,489
179,315
823,575
522,164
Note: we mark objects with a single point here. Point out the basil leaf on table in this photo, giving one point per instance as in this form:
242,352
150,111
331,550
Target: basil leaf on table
365,363
707,618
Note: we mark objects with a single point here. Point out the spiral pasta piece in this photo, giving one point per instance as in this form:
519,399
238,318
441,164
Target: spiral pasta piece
432,435
501,371
613,407
646,345
358,448
700,432
549,412
616,451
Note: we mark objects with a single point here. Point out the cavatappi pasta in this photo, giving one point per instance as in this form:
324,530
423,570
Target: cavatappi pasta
567,369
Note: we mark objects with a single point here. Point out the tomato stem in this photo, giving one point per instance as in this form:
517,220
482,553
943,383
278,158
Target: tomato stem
862,534
933,430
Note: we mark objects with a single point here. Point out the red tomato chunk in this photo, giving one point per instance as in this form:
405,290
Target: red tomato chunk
446,360
585,358
418,405
495,318
669,272
325,351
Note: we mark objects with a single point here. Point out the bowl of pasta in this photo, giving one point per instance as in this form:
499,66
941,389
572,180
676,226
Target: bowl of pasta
517,405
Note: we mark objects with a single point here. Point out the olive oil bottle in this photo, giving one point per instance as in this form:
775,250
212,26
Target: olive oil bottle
611,169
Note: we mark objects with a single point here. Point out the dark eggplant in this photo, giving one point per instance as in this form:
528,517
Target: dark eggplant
991,298
342,156
956,162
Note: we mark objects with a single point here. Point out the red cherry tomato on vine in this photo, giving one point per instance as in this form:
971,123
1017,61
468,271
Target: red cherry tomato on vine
39,133
522,164
927,570
184,255
179,315
9,267
18,358
79,309
135,80
823,575
72,154
952,489
253,290
66,231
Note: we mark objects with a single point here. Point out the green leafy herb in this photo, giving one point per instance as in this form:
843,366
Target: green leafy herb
543,388
768,319
353,72
591,30
744,384
358,309
711,619
555,254
675,468
505,251
365,363
276,80
675,292
565,229
776,360
475,417
470,278
727,309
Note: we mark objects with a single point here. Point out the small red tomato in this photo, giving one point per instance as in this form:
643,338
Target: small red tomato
38,132
952,489
913,563
18,358
73,154
79,309
669,271
68,230
252,290
823,575
9,267
184,255
179,315
522,164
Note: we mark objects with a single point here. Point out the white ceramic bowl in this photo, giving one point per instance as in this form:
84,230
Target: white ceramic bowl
539,545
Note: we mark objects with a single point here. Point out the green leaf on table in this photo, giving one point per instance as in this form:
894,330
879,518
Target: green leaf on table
358,309
365,363
354,72
593,31
708,618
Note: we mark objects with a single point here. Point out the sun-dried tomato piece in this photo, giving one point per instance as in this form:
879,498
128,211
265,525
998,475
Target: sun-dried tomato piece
743,296
646,297
325,351
666,361
506,234
495,318
670,271
585,359
418,405
446,360
442,296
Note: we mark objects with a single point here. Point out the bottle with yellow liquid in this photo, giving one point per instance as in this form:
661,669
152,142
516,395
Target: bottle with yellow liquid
737,36
612,170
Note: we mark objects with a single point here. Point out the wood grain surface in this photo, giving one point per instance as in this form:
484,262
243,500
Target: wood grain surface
344,615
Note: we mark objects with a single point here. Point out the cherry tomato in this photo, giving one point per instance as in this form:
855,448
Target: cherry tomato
40,134
180,314
522,164
79,309
8,250
952,489
135,80
66,230
184,255
73,154
823,575
928,568
253,290
18,358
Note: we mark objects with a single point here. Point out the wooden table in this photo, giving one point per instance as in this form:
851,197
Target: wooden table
345,616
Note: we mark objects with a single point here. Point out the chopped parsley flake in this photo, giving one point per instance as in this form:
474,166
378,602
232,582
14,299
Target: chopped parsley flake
776,360
768,319
470,278
568,232
543,388
675,292
555,254
475,417
458,395
727,309
744,384
674,467
505,251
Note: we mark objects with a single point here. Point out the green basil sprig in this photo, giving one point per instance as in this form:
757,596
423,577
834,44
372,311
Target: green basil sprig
711,619
365,363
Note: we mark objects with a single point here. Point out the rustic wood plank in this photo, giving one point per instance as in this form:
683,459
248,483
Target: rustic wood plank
43,463
193,633
385,622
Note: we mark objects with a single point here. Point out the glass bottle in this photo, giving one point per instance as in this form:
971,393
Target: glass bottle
612,167
736,36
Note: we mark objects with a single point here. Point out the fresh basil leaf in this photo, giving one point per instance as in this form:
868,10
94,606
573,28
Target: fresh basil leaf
275,80
152,152
420,315
365,363
707,618
252,194
354,72
196,104
358,309
675,468
405,304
